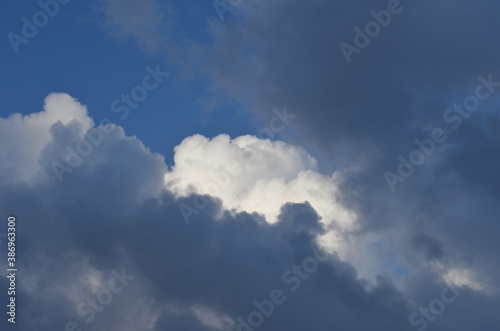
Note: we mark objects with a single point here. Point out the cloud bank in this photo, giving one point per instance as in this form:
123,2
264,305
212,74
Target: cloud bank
113,226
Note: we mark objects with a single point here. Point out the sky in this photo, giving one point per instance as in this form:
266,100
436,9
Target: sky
249,165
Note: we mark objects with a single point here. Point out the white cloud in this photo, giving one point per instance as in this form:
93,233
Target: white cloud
28,135
255,175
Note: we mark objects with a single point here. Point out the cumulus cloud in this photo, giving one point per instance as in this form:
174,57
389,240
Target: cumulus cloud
255,175
260,176
113,214
362,115
118,212
28,135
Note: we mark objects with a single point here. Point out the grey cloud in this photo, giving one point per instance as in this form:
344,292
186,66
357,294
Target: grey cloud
362,115
105,216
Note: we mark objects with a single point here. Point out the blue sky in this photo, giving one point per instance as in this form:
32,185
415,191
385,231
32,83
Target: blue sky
73,54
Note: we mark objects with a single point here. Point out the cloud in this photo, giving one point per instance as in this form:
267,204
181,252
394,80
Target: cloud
271,206
364,114
146,22
29,135
115,213
260,176
255,175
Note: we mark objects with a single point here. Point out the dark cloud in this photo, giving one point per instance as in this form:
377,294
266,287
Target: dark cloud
77,233
403,78
429,247
363,115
